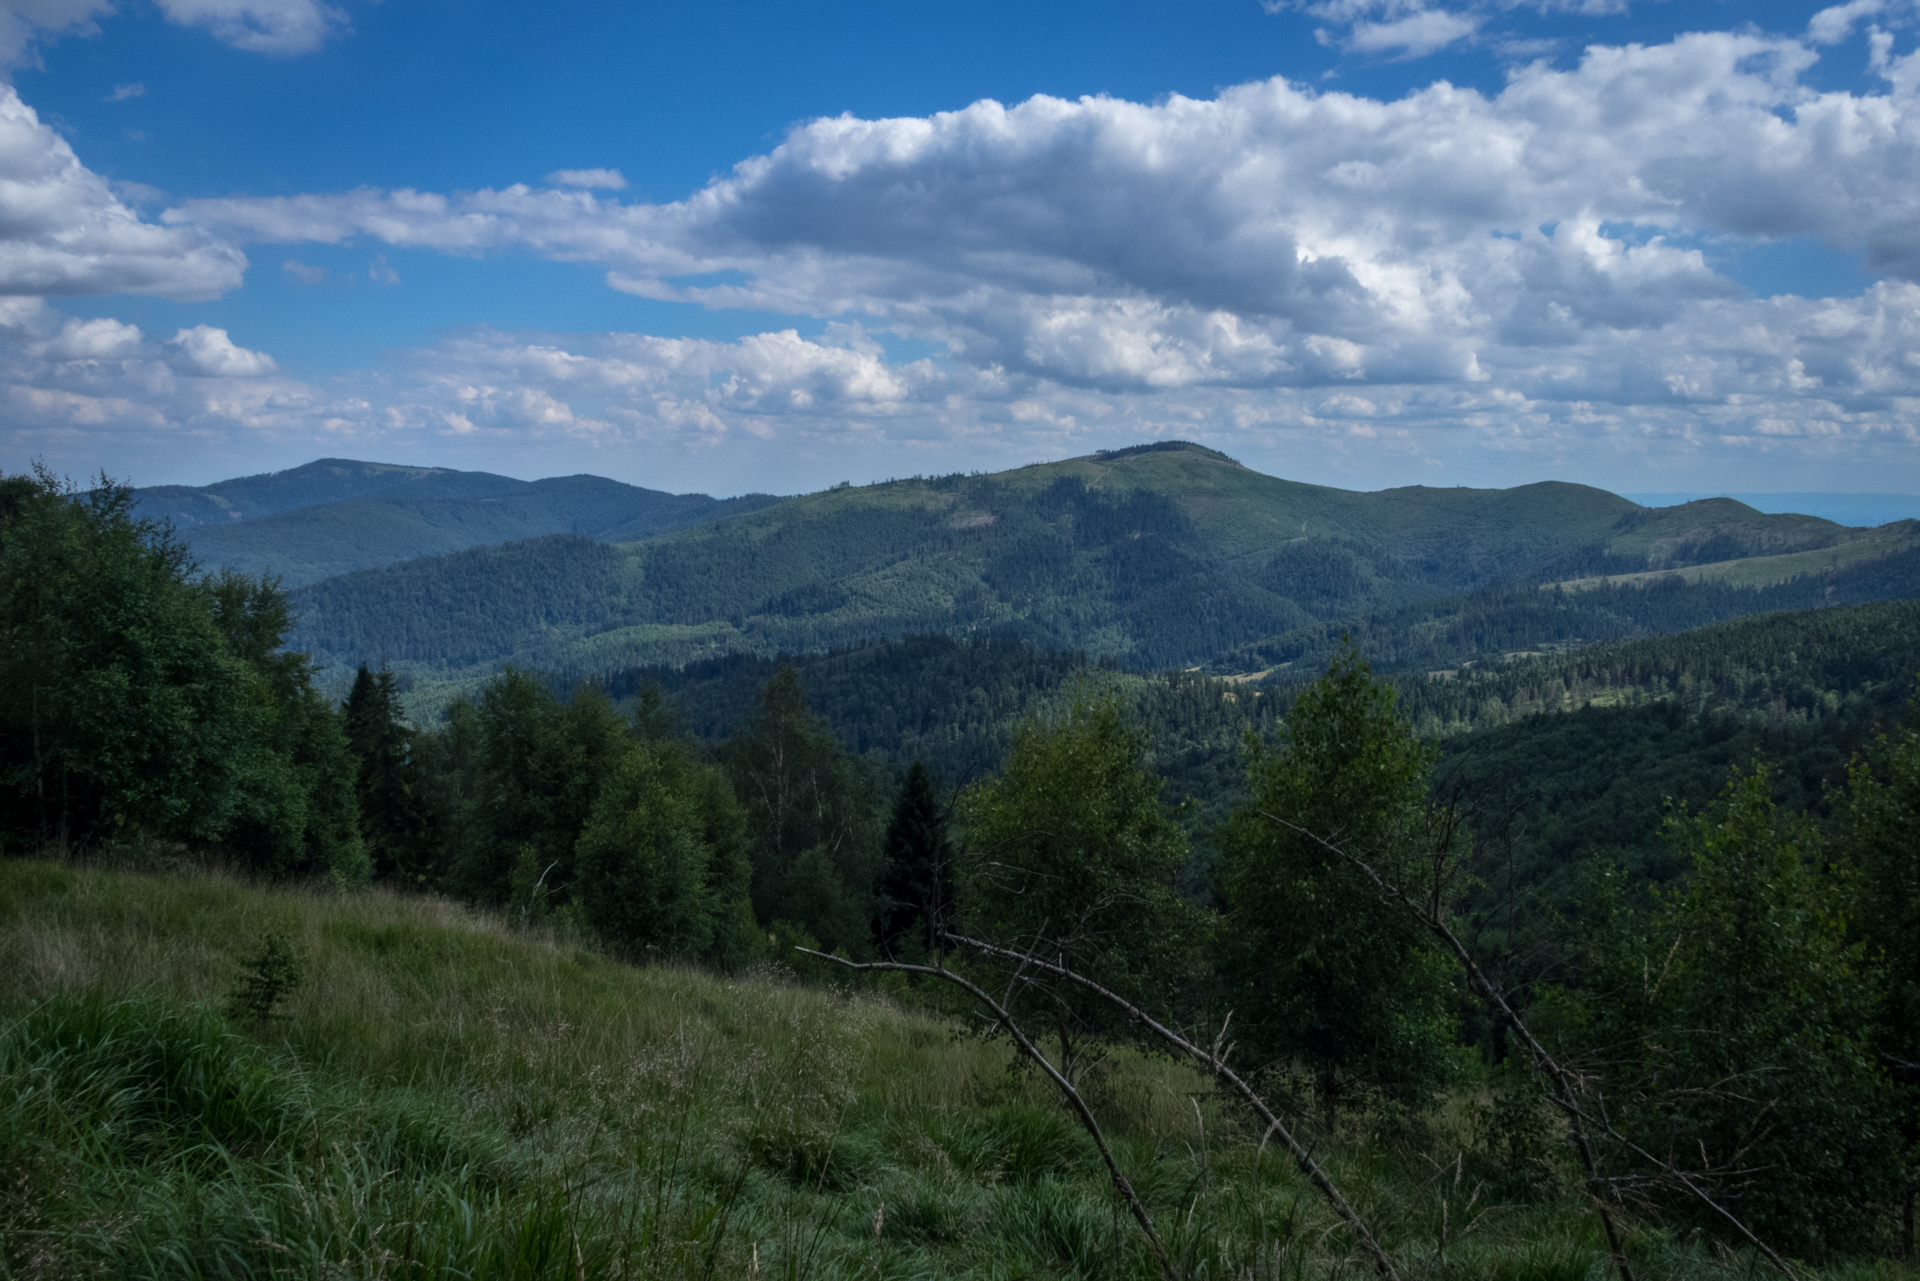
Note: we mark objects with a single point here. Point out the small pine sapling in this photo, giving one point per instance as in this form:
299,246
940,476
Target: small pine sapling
269,976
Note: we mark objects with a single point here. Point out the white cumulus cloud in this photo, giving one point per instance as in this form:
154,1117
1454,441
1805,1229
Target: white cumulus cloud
1535,270
273,27
1273,236
277,27
211,352
63,231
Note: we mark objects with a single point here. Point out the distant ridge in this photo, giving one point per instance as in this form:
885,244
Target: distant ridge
337,515
1857,510
1162,447
1157,556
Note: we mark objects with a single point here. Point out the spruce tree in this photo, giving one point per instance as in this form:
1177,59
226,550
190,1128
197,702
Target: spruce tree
394,818
917,895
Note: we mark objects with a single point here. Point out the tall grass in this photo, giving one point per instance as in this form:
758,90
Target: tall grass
447,1098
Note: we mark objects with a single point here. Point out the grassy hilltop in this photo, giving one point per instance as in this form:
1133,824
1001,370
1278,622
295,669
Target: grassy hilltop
447,1097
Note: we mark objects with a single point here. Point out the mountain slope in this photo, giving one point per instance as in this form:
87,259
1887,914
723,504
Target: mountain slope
1159,556
335,516
328,480
1521,619
1854,663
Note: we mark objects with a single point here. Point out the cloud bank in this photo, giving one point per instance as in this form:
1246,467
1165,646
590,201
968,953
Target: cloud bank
1533,270
1272,237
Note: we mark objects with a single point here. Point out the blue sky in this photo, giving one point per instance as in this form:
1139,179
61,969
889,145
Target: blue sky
1651,246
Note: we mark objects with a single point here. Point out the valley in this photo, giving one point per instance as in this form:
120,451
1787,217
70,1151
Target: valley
524,878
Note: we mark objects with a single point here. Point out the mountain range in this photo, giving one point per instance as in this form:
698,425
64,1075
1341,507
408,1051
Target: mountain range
335,515
1159,556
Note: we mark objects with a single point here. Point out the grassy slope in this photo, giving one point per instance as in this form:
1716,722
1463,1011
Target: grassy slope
1517,622
1241,516
449,1098
1767,570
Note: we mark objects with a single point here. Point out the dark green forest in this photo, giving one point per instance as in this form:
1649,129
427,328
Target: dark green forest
1156,558
1643,913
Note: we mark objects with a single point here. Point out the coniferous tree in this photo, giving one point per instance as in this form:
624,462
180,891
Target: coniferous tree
394,819
917,896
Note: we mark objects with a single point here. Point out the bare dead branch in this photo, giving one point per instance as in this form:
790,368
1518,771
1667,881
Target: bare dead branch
1215,1062
1067,1091
1564,1097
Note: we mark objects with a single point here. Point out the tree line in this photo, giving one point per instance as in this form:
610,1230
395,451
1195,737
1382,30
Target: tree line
1746,1031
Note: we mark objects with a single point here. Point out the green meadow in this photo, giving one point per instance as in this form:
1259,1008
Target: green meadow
444,1095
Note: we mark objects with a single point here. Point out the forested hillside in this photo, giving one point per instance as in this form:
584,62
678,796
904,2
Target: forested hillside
335,516
1523,619
1156,557
1797,668
956,705
1493,987
1565,757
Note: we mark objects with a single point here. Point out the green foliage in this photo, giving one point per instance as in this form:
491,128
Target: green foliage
142,704
123,707
650,880
1158,559
335,517
916,899
1072,852
1881,844
1324,977
1729,1030
536,765
1469,634
461,1100
271,975
396,821
812,828
1814,665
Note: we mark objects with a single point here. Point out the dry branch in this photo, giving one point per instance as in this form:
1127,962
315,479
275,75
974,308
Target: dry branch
1079,1105
1215,1061
1565,1097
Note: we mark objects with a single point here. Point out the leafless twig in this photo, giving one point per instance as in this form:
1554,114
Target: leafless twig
1565,1096
1067,1091
1215,1061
